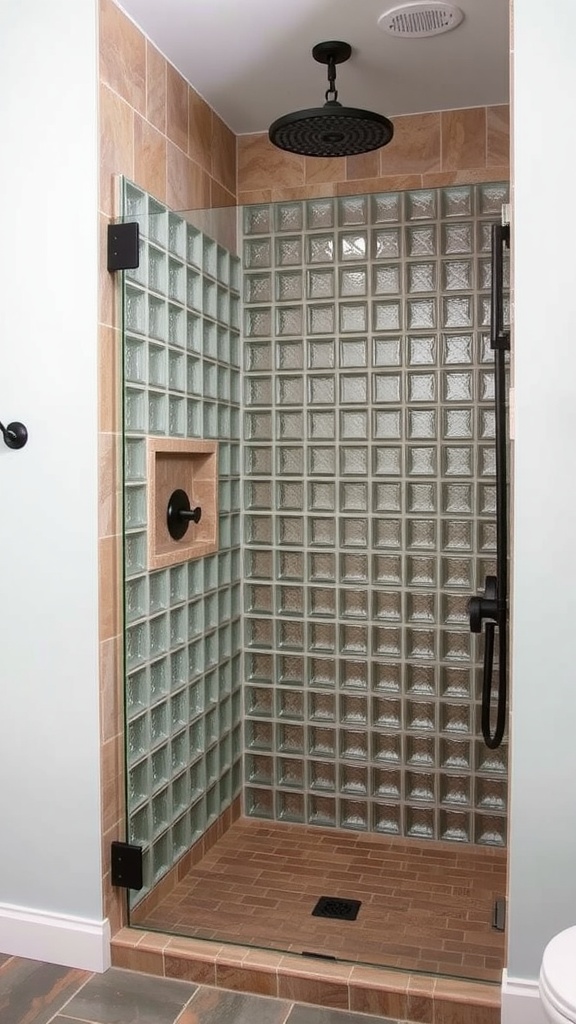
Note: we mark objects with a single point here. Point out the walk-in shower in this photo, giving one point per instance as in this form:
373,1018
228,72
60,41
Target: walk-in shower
303,704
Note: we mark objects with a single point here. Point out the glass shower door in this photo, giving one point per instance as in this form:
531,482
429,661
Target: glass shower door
303,705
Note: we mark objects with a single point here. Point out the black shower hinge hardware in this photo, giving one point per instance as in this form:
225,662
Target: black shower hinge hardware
126,865
123,246
499,914
499,335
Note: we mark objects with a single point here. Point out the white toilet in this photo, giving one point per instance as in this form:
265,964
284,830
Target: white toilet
558,978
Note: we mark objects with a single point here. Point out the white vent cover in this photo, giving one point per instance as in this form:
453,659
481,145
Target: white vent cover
420,19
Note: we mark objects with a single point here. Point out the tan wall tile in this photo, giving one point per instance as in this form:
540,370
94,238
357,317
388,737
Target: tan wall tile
260,195
116,145
149,158
220,196
497,135
177,90
463,138
156,65
187,184
470,176
394,183
415,147
223,154
287,194
262,165
108,484
200,117
318,169
365,165
109,590
109,341
111,700
112,775
122,56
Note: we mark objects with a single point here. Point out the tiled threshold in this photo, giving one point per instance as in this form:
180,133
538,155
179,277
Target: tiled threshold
417,998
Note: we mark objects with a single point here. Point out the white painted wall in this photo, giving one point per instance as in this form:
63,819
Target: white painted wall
543,796
49,733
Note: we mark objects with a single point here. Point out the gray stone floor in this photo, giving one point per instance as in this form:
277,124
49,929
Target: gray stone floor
39,993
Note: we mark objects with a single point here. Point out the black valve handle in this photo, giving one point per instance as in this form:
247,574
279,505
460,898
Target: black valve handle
179,514
192,514
15,434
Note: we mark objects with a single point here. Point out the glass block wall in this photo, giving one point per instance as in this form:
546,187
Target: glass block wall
183,635
369,512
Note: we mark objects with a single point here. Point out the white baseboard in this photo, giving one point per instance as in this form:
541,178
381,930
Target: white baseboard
55,938
521,1001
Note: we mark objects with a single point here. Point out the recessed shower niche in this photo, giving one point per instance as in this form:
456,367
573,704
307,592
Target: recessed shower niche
180,470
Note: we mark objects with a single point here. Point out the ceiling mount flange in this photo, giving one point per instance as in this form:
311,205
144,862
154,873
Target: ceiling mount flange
335,50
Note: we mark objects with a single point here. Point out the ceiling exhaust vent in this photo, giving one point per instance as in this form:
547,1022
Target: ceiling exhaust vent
420,19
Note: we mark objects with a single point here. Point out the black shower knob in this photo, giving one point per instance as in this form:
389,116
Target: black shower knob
15,434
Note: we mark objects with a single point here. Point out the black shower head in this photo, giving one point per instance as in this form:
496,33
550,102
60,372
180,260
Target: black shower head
331,130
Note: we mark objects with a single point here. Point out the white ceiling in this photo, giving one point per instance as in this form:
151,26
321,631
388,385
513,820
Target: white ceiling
251,59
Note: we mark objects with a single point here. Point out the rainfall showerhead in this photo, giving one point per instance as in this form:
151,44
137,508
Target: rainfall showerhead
331,130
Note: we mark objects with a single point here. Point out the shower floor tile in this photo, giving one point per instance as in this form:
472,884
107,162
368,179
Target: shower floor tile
426,906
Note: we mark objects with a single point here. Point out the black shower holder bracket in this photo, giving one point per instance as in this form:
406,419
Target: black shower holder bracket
484,606
15,434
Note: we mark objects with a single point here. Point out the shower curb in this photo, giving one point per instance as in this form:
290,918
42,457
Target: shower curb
418,998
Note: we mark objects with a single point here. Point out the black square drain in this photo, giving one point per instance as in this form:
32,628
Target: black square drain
337,907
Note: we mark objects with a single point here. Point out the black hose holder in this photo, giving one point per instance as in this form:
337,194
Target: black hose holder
485,607
15,434
179,514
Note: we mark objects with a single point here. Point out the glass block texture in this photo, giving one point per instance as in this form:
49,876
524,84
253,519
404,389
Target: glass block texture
183,629
369,512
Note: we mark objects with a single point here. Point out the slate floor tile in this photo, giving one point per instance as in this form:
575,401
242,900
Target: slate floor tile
31,992
124,997
319,1015
218,1006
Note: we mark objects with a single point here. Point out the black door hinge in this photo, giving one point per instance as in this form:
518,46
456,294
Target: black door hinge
123,246
126,865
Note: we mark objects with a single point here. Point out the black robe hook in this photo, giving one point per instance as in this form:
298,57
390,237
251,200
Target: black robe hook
15,434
